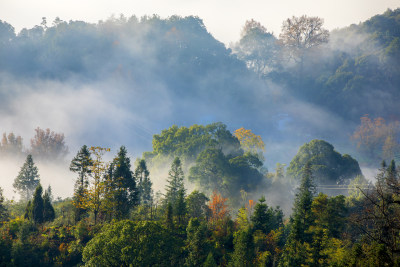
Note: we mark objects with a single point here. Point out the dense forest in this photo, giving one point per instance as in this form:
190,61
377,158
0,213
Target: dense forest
281,181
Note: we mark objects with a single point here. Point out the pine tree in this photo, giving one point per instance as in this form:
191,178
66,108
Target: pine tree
48,210
81,164
197,243
144,183
244,253
37,205
175,182
295,250
302,214
169,216
123,183
180,206
27,179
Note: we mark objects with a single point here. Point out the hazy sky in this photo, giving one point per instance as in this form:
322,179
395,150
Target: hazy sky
223,18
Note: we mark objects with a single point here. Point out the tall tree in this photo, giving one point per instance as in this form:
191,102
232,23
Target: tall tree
144,183
37,205
48,210
302,214
265,218
27,179
123,184
197,244
98,170
174,182
244,253
81,164
257,47
300,34
302,218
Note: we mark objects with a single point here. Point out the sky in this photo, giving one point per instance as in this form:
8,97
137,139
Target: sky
223,19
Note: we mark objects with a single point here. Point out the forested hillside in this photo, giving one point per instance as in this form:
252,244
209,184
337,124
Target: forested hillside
151,73
171,149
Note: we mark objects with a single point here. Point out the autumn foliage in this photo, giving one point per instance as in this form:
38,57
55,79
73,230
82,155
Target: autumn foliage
218,207
249,141
376,138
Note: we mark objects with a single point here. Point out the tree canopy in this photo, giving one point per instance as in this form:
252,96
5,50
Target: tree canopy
328,165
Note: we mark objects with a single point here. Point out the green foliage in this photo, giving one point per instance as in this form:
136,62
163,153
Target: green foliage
81,164
27,179
48,210
196,203
266,218
144,183
198,246
174,182
244,253
37,206
4,214
187,143
121,190
153,246
328,166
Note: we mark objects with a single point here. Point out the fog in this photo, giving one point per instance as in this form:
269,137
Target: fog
123,80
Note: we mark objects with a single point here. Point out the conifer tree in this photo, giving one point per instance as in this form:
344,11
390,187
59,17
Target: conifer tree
180,206
244,253
27,179
302,214
48,210
144,183
175,182
295,250
169,216
197,243
123,184
37,205
81,164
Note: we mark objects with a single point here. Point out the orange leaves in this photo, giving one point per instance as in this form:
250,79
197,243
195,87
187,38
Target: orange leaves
249,141
218,207
376,137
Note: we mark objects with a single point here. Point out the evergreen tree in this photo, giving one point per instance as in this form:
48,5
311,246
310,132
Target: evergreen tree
81,164
27,179
28,211
180,206
48,210
210,261
3,210
144,183
197,244
175,182
302,214
260,216
169,216
37,205
121,185
295,250
244,253
266,218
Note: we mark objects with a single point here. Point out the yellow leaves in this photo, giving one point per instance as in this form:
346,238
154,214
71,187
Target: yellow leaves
249,141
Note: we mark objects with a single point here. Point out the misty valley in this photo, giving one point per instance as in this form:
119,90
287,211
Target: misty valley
147,142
